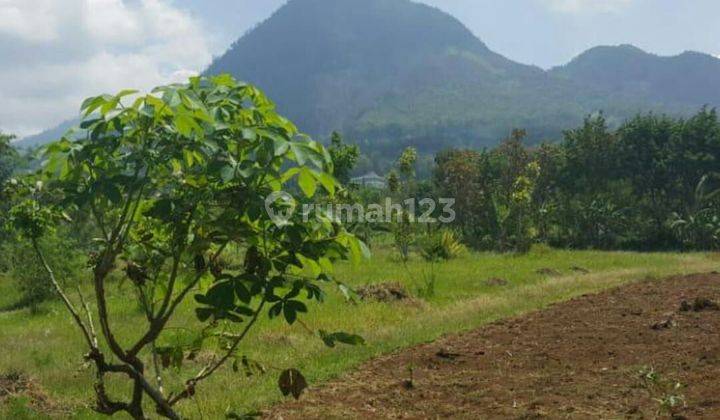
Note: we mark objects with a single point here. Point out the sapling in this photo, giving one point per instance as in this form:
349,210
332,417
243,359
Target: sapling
172,180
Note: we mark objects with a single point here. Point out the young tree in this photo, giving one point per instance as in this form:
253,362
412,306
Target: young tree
406,163
403,186
8,157
460,174
344,157
591,158
172,179
511,158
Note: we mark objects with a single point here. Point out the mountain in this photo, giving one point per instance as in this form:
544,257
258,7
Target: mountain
690,79
46,136
391,73
328,61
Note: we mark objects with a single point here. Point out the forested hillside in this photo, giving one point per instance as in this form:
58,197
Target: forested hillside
686,80
392,73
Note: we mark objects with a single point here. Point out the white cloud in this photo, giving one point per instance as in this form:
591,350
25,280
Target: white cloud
587,6
30,24
64,51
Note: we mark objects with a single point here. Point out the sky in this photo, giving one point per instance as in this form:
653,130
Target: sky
54,53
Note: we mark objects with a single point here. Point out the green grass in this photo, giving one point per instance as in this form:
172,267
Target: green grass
47,347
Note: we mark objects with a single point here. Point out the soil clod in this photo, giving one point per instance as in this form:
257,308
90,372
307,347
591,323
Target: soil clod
447,355
699,305
665,324
12,383
383,292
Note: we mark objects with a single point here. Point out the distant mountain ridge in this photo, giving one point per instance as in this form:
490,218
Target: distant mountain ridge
391,73
46,136
687,79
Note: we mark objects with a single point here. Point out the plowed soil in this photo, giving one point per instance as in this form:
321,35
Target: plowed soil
630,352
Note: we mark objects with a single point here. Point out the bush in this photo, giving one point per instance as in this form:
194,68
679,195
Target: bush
700,231
441,246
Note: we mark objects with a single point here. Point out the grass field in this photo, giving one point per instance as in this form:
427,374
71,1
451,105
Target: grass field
47,348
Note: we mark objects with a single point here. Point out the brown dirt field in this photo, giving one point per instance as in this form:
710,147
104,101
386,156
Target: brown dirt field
578,359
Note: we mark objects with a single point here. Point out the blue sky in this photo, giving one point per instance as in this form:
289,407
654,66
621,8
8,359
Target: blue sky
56,52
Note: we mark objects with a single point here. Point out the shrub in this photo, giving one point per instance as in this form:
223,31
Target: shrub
441,246
701,228
700,231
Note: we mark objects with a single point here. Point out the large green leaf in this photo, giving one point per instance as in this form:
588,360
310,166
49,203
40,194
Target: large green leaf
307,182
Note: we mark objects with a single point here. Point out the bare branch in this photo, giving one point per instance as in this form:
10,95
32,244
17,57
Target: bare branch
156,368
91,324
68,304
171,287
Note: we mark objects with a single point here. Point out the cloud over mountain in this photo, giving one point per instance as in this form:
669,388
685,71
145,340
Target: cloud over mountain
57,53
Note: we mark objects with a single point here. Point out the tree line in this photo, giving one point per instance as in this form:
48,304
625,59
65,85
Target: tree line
651,184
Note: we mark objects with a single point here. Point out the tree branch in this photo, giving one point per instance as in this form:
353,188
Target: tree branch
114,246
99,220
207,371
63,296
91,324
99,282
162,319
174,273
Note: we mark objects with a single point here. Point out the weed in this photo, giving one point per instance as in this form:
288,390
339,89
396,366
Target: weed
665,391
409,383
